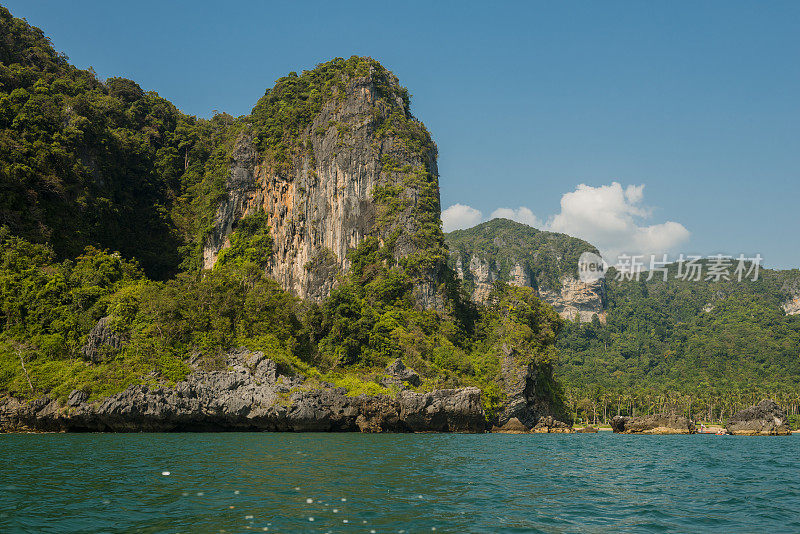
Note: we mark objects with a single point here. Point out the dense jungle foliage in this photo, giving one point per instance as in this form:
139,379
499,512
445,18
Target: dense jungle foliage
107,192
705,347
710,346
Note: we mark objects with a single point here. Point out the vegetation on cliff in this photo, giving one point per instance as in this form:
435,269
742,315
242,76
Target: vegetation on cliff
545,256
84,162
109,192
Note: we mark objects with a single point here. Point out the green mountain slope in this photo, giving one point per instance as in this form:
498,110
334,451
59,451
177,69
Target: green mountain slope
545,256
701,338
89,167
712,345
85,162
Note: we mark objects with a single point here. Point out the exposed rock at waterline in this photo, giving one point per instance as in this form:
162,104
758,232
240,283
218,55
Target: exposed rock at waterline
764,419
653,424
527,397
249,395
513,426
550,425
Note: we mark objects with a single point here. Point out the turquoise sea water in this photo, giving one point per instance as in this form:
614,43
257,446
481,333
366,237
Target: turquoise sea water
395,482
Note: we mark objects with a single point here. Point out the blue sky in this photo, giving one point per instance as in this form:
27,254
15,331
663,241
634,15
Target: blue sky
697,101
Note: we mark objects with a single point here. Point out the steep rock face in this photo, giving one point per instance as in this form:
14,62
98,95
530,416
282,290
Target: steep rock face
527,399
103,341
355,177
481,273
577,298
574,297
249,394
510,252
792,306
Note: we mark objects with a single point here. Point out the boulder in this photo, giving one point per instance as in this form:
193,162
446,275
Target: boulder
513,426
653,424
550,425
764,419
76,397
103,341
397,373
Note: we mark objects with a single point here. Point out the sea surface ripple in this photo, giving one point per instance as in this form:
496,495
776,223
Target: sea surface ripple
245,482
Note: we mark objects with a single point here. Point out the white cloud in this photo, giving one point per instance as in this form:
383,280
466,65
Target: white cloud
459,216
611,218
521,215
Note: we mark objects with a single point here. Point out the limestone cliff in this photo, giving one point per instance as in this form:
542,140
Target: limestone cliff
792,306
790,287
356,164
506,251
577,298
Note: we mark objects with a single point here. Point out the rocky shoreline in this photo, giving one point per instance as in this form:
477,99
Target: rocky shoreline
250,394
653,424
764,419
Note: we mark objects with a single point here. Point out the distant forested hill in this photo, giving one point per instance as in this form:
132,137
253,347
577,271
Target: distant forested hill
720,343
546,256
708,339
